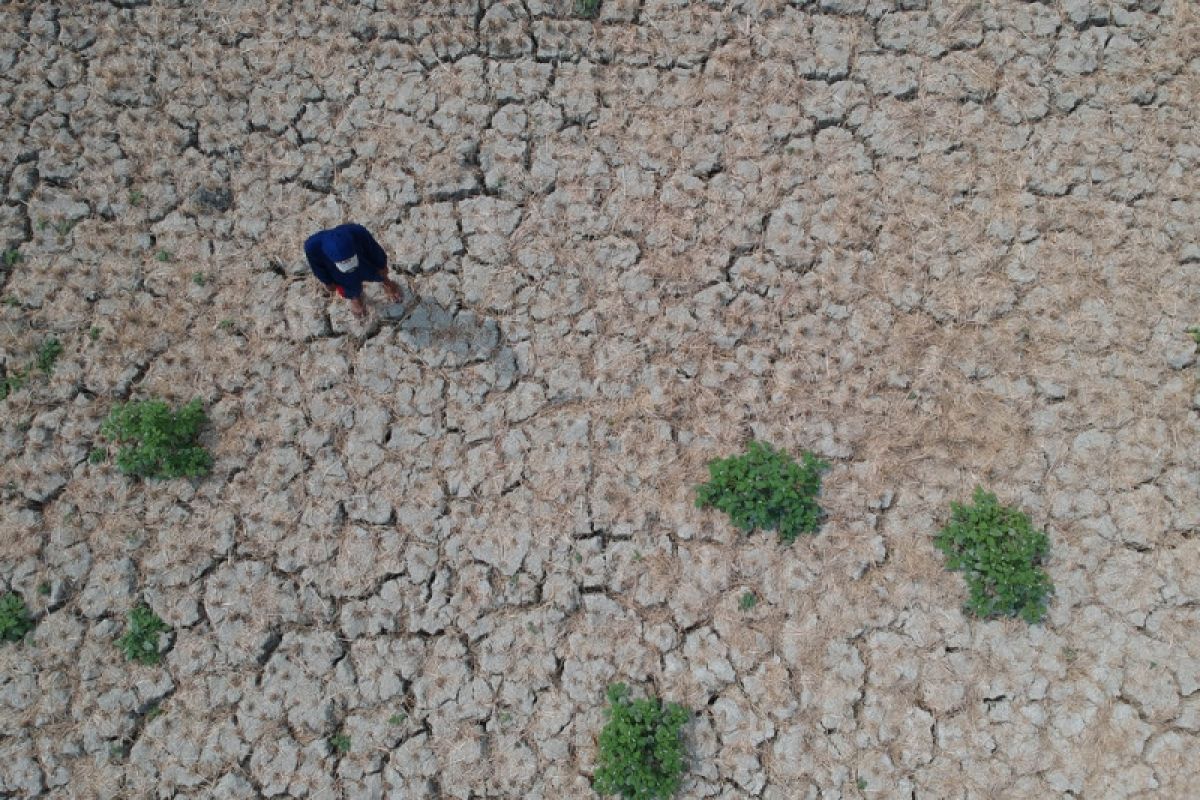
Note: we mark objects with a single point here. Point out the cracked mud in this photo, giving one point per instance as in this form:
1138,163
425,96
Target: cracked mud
938,243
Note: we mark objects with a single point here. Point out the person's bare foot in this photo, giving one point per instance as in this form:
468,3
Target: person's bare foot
393,292
358,308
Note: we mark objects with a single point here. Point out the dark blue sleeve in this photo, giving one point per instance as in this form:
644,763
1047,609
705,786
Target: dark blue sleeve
317,261
369,249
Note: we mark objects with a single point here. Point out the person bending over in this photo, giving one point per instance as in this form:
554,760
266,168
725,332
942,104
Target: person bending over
346,257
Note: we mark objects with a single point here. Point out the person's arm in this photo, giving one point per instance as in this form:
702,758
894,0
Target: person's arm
319,266
369,250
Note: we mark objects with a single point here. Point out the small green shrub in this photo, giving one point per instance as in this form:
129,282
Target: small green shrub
12,382
641,752
94,333
340,742
12,258
157,442
1194,332
1000,555
44,588
98,455
135,197
15,621
199,278
140,642
748,601
765,488
164,255
48,353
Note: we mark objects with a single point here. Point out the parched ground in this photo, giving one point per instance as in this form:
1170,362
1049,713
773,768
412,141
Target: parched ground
939,243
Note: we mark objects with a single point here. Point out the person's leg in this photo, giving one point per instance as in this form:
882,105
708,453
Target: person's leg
358,307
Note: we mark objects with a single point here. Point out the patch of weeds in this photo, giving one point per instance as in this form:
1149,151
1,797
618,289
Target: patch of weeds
98,455
164,256
765,488
1000,555
861,783
397,719
63,227
226,325
43,223
157,442
154,712
504,717
199,279
118,750
588,9
12,382
140,642
1070,655
748,601
48,353
340,743
641,749
12,301
15,621
1193,331
12,258
136,197
44,588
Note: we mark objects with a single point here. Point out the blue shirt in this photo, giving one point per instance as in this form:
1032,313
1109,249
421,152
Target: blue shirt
372,261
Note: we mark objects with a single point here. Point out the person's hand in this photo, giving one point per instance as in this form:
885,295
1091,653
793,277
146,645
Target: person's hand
358,308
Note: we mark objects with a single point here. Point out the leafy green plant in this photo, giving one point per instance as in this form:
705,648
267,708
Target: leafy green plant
226,325
15,621
1000,554
156,441
12,257
12,382
64,226
199,279
140,642
98,455
94,333
135,197
765,488
340,742
48,353
641,752
164,255
44,588
397,719
1194,332
588,9
748,601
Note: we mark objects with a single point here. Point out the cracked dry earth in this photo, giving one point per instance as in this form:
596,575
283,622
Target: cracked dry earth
938,243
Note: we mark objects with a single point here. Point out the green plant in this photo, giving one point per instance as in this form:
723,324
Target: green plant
12,382
12,257
156,441
641,752
12,301
861,783
64,227
163,255
1194,332
199,279
98,455
154,712
135,197
765,488
340,742
397,719
140,642
48,353
226,325
44,588
748,601
588,9
15,621
94,333
1000,555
